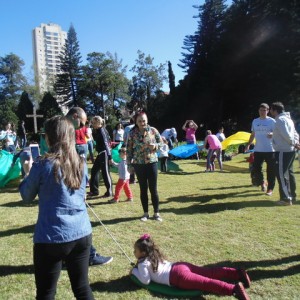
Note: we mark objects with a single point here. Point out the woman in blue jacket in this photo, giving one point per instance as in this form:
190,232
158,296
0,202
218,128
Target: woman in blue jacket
63,229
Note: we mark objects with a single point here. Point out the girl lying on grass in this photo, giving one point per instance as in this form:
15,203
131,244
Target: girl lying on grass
151,265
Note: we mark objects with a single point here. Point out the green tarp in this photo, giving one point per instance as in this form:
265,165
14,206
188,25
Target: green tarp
7,171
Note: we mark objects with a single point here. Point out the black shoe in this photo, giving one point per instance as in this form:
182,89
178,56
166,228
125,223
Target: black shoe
106,195
100,260
91,195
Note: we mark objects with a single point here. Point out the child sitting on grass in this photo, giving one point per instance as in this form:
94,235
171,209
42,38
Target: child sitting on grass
152,266
124,176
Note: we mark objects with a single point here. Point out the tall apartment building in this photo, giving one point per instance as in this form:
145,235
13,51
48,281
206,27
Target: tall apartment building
48,42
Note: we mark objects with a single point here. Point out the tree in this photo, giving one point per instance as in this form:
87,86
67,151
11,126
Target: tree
66,84
49,106
202,62
171,78
104,84
11,85
147,81
24,108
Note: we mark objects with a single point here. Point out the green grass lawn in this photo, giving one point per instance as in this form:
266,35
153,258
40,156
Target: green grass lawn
208,218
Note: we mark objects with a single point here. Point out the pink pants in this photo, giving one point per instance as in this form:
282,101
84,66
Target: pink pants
120,185
208,279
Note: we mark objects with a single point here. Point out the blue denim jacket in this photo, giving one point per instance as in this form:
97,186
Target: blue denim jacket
62,213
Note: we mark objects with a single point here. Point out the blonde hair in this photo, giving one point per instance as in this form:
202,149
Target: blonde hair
98,120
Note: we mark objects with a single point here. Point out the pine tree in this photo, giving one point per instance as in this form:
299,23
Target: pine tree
66,85
171,78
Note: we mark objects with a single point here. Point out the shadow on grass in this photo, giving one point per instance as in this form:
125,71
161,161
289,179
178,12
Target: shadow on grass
123,285
205,207
256,274
208,198
19,230
228,187
10,270
120,285
20,203
112,221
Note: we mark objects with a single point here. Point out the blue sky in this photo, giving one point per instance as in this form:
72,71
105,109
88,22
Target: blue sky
155,27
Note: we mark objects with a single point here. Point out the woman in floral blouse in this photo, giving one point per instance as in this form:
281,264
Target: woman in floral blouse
142,146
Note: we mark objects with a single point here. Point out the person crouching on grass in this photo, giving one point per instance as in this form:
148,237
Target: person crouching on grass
124,176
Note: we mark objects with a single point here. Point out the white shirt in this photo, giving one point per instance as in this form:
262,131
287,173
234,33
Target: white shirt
145,274
164,150
221,136
261,128
169,133
119,134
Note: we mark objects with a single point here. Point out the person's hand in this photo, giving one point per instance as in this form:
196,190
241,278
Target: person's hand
270,135
247,148
152,147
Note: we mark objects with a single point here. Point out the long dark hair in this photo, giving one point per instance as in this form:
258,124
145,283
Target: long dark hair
146,244
68,166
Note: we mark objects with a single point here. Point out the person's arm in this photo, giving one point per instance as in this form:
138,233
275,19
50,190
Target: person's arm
114,135
114,163
184,125
141,272
30,185
195,125
88,134
105,136
251,139
285,132
205,143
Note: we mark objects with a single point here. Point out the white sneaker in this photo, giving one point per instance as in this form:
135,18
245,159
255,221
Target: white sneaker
157,217
269,193
144,218
286,203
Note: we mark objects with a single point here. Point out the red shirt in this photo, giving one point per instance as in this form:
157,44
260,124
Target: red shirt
80,135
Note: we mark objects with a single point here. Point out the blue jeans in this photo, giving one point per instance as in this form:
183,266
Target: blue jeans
147,177
48,263
90,146
82,150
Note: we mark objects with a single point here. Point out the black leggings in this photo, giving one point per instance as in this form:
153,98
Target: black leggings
48,263
147,177
100,164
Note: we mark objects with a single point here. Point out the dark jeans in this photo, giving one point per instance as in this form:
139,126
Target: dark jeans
11,149
23,141
285,175
147,177
100,164
269,158
48,263
164,164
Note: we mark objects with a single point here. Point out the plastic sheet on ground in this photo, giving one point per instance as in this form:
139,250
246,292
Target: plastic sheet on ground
7,172
187,150
241,137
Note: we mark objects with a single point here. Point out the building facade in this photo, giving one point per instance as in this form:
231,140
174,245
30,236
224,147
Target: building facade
48,42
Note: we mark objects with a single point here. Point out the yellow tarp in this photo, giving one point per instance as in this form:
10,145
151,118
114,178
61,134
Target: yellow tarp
241,137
